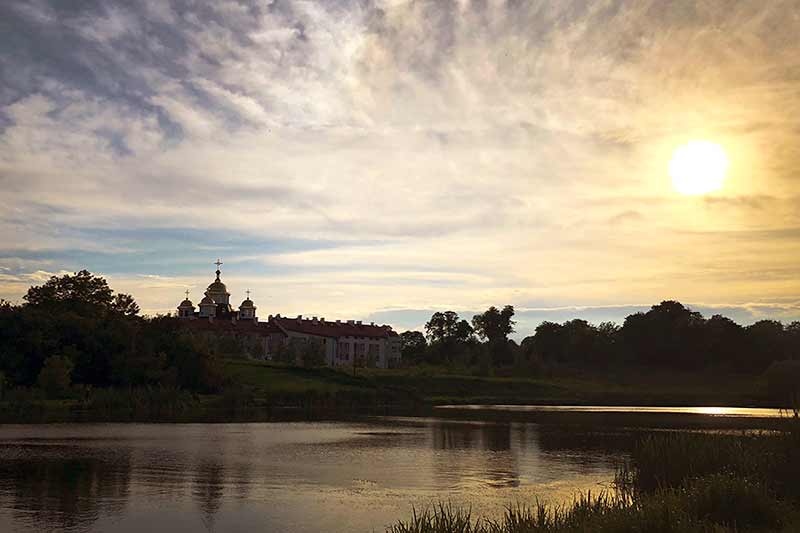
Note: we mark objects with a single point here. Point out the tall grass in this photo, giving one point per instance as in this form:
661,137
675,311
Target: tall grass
716,504
671,460
674,483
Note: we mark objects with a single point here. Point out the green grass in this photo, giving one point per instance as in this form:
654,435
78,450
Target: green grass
272,378
436,385
444,386
259,384
276,385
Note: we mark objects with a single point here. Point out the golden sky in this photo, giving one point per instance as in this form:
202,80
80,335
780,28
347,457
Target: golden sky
385,159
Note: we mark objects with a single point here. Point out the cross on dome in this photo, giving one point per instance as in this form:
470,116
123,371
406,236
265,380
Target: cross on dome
187,294
218,263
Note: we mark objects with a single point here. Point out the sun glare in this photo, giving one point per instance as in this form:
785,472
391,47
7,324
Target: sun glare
698,167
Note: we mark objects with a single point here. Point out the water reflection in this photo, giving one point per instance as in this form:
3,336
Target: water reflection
208,489
63,487
277,477
739,412
455,436
499,469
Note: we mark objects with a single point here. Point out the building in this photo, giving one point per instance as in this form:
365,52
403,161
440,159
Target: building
338,343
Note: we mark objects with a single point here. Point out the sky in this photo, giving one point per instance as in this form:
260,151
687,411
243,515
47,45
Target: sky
385,159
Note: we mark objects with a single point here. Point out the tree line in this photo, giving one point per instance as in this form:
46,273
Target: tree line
669,335
74,329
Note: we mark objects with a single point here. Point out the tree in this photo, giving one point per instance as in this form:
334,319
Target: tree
766,343
668,334
547,341
783,380
83,293
78,290
448,336
442,326
124,304
56,376
606,347
413,346
312,353
724,344
580,340
494,324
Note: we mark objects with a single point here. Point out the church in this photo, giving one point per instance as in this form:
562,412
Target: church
338,343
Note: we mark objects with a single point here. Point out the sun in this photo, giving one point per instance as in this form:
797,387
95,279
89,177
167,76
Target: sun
698,167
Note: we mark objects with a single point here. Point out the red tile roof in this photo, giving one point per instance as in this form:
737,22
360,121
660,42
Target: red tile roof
282,324
333,329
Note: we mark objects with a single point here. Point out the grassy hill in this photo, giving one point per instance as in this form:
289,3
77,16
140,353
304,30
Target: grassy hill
441,386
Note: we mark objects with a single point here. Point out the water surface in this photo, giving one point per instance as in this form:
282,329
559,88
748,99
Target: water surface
738,412
273,477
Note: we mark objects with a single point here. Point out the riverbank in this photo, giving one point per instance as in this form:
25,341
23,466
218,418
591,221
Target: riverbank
440,386
258,390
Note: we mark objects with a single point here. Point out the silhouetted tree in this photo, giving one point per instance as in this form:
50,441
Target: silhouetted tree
724,344
79,292
99,333
783,380
495,326
766,343
413,346
607,345
125,304
449,336
548,341
447,326
668,333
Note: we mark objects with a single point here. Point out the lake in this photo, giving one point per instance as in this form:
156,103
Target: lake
348,476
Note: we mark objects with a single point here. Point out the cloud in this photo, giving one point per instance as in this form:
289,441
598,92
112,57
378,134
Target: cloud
379,154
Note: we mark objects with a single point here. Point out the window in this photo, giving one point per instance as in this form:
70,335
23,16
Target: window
343,351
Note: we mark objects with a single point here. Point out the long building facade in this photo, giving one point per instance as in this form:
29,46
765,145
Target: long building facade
337,343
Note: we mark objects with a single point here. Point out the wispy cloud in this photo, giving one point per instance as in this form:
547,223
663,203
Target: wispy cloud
353,156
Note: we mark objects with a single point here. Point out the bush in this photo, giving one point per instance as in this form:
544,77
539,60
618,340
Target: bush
783,382
55,377
141,402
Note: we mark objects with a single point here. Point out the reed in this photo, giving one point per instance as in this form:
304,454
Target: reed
674,483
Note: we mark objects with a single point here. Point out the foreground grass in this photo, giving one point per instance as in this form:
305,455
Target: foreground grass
675,483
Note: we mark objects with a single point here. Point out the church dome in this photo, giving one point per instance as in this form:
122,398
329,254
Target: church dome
217,286
186,303
218,289
207,300
247,303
